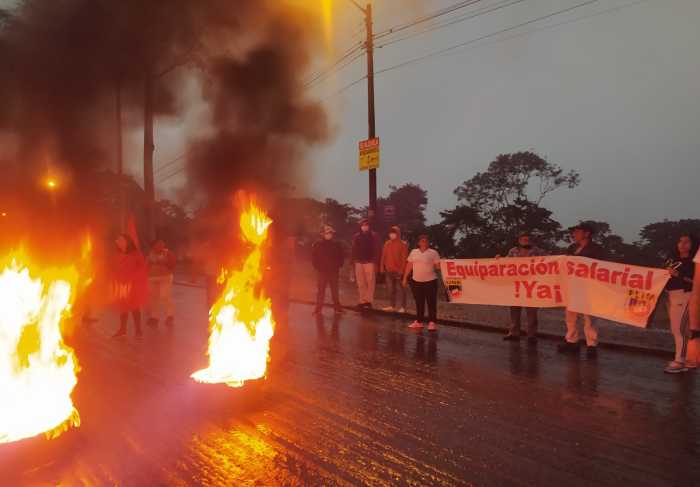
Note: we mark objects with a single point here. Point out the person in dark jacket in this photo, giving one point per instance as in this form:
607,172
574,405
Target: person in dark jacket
327,257
366,254
682,269
583,246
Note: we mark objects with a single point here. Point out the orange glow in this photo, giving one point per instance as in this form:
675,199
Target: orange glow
327,17
51,183
37,370
240,321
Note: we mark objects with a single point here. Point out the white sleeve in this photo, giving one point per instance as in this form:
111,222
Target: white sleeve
697,257
411,256
437,257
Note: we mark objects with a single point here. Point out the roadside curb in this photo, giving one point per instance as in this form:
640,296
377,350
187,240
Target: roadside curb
625,347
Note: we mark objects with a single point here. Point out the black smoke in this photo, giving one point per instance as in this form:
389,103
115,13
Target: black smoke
63,60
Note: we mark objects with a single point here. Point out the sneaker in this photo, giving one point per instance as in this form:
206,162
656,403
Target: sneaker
591,351
675,367
511,337
416,325
402,310
568,347
432,326
388,309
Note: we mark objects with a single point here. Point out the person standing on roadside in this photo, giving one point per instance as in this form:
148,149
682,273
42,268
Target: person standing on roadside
583,246
524,248
161,264
129,283
422,263
365,257
692,357
681,267
327,257
393,263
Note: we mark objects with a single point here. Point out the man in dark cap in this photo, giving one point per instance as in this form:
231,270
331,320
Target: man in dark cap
583,246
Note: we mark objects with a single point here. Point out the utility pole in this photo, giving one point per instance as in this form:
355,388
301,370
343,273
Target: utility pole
148,148
120,157
370,110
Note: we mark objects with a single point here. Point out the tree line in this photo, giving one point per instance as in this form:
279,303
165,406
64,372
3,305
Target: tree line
493,206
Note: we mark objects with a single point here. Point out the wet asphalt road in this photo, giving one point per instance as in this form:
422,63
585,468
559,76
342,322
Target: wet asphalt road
364,401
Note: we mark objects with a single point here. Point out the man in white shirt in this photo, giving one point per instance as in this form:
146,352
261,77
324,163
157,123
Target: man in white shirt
423,262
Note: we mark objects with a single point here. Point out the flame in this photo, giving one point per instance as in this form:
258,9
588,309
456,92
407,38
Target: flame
241,319
37,370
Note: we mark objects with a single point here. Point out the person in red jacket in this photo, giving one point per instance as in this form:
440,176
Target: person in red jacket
393,263
129,283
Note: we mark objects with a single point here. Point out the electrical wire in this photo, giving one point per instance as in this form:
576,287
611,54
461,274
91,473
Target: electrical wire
352,54
452,21
170,163
487,36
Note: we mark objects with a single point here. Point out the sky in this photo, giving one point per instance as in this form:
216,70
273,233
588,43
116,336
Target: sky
613,94
610,89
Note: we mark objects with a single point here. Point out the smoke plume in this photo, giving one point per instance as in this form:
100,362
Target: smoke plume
64,60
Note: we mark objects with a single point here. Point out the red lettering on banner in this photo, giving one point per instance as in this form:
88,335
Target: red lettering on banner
517,289
451,269
594,267
650,279
603,275
570,267
521,271
542,268
483,272
544,292
512,270
557,293
582,270
636,281
614,276
530,288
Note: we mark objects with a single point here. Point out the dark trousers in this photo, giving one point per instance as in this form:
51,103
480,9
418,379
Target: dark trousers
329,279
425,292
515,318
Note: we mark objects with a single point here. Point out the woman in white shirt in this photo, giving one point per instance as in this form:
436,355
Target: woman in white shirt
423,262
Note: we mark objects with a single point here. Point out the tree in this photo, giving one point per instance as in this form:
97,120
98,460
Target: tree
506,198
409,202
658,239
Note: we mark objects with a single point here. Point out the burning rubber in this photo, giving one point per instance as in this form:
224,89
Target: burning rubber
241,323
37,370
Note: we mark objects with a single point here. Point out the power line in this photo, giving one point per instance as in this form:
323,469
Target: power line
521,34
170,163
427,18
336,65
171,175
487,36
449,22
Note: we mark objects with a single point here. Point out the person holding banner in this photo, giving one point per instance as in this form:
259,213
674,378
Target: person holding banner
422,263
681,267
524,248
692,357
583,246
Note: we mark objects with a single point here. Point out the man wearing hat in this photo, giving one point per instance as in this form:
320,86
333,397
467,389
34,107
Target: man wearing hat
327,257
366,253
524,248
583,246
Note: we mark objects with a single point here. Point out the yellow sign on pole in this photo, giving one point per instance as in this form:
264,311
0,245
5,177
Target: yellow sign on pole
369,154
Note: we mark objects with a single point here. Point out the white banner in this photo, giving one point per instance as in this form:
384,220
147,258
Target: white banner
617,292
